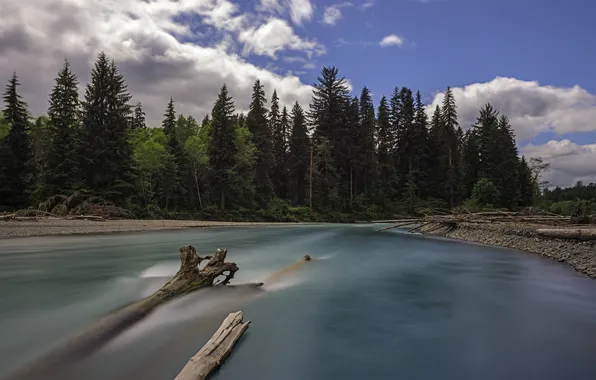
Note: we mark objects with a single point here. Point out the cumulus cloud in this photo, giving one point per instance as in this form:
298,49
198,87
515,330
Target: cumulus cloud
532,108
147,41
332,13
276,35
570,162
391,40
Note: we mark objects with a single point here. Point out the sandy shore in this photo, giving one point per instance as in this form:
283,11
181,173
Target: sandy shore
581,255
22,228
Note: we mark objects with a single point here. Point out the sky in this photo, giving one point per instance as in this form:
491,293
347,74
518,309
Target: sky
534,61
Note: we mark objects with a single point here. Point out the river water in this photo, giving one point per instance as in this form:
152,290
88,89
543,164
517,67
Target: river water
377,305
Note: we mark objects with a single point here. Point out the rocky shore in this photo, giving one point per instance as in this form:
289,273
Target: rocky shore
47,226
581,255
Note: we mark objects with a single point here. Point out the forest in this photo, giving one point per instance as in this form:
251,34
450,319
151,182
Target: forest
339,158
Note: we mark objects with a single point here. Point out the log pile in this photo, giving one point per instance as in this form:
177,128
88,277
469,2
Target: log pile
560,227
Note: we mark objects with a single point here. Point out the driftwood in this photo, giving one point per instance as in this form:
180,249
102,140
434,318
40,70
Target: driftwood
188,279
216,350
565,233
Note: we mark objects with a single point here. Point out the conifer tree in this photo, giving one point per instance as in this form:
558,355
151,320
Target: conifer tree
14,150
387,180
367,140
62,172
138,120
222,148
330,134
526,185
105,152
298,157
256,122
169,184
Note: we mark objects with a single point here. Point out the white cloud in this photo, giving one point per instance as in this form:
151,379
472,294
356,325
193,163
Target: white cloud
532,108
332,13
276,35
391,40
300,10
570,162
367,4
36,36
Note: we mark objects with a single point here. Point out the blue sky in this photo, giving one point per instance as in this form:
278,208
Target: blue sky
535,61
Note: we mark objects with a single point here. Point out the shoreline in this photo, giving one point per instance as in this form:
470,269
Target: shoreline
65,227
580,255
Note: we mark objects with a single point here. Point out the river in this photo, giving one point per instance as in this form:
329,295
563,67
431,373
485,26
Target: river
377,305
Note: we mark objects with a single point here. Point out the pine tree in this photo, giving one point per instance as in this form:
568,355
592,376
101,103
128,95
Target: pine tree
406,153
256,122
298,157
508,165
62,172
138,120
105,152
14,150
222,148
450,140
421,147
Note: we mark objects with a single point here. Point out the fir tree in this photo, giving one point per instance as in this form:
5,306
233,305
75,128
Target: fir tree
298,156
61,176
222,148
14,150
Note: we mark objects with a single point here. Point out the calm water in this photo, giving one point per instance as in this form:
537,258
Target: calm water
379,305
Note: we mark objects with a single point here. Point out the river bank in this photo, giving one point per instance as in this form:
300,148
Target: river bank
580,255
47,226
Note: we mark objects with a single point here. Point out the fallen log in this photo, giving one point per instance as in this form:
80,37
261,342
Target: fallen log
188,279
216,350
402,224
568,233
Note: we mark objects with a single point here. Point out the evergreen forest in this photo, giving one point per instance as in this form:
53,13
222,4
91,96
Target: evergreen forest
339,158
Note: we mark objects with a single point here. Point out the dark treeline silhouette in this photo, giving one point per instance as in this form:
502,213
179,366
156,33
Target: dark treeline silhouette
340,155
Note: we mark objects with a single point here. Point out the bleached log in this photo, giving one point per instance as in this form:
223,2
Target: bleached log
568,233
216,350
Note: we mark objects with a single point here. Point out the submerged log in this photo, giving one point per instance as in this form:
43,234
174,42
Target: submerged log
568,233
216,350
188,279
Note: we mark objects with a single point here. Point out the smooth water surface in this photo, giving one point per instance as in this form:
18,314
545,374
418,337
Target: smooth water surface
378,305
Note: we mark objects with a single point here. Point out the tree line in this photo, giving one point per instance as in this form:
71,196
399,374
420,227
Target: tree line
341,155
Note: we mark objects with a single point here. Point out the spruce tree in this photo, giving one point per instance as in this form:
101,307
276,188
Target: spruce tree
62,173
298,157
105,152
15,150
451,155
222,148
508,165
421,147
526,185
256,122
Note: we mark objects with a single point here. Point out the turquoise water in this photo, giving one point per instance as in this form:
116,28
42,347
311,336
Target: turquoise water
378,305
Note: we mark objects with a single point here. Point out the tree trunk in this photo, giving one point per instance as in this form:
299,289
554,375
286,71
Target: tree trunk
198,189
216,350
188,279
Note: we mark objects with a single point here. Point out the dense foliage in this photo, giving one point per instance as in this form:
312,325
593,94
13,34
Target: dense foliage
340,156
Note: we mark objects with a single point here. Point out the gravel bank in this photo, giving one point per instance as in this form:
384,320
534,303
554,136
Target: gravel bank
579,255
21,228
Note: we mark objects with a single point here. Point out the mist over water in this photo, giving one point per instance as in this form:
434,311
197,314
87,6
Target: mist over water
378,305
